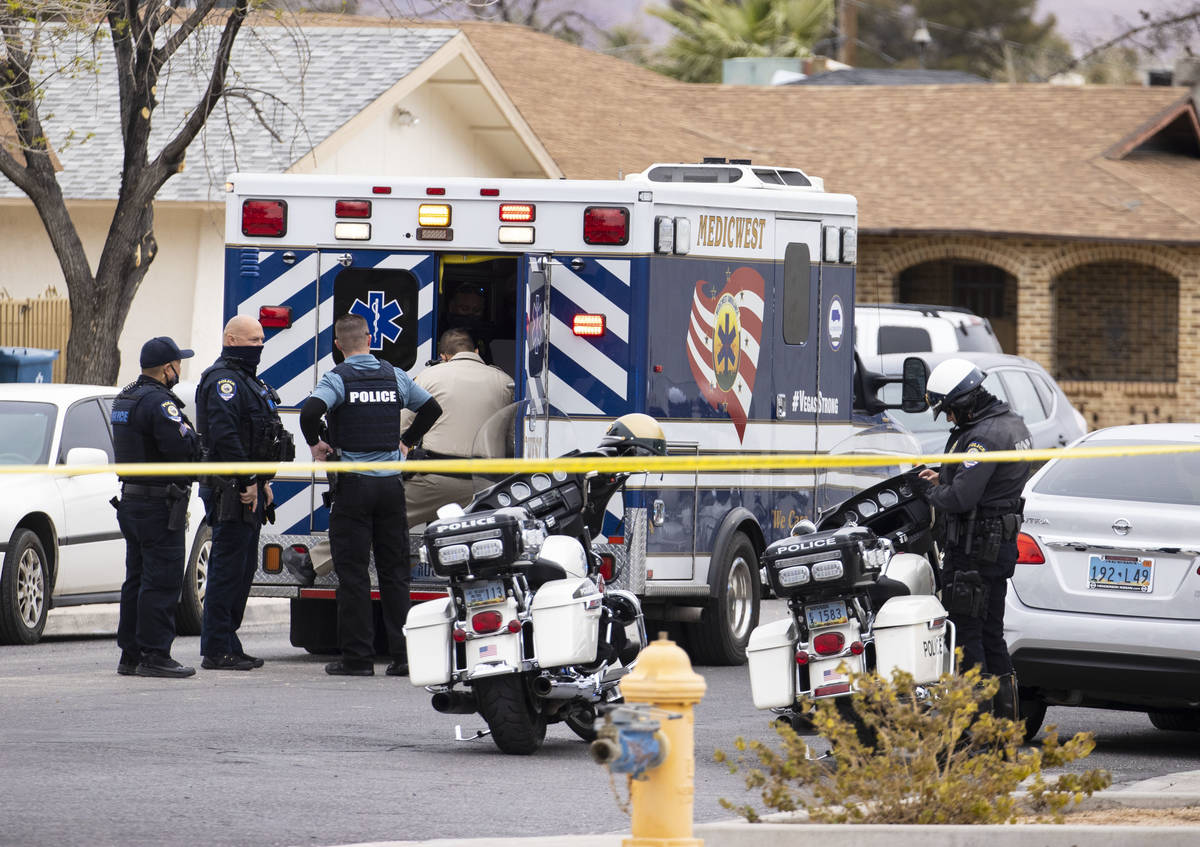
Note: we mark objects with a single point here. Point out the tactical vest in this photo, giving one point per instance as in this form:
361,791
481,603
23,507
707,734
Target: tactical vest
258,428
133,433
368,419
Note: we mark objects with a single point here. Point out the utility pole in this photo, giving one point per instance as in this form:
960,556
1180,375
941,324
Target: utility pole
847,31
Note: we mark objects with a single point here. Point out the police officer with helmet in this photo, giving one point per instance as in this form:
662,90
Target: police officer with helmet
979,505
149,426
362,399
238,417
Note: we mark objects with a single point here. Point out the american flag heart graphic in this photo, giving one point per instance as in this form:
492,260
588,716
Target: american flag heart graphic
723,342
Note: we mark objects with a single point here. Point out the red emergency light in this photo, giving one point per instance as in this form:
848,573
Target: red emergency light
264,217
275,317
588,325
352,208
605,225
489,192
381,189
522,213
436,192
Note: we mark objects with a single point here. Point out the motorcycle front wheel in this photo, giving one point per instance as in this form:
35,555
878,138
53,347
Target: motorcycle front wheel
518,728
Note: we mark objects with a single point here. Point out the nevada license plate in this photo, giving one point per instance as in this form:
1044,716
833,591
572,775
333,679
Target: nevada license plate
1122,573
483,593
825,614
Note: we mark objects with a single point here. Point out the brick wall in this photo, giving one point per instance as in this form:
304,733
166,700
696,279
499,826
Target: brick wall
1072,299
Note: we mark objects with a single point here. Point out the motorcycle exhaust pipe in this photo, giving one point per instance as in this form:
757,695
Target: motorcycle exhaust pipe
553,689
454,703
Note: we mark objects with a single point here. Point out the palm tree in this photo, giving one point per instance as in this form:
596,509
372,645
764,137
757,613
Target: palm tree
710,31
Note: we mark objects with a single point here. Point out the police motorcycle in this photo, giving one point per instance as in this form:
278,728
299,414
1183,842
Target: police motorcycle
530,634
861,594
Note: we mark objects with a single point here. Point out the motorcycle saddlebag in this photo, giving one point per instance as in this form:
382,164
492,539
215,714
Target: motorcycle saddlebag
427,635
823,563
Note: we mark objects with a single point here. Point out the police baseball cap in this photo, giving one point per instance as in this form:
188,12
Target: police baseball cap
160,351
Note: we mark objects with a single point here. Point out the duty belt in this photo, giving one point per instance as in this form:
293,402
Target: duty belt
135,490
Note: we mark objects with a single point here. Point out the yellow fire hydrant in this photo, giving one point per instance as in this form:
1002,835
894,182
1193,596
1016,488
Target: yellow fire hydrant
662,802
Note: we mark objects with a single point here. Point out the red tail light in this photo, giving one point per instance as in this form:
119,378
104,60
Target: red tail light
1028,552
275,317
458,635
608,566
264,217
829,643
802,657
352,208
605,225
520,213
514,625
591,326
487,621
857,648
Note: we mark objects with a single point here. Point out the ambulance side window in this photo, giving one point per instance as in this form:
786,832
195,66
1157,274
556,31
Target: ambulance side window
387,299
797,294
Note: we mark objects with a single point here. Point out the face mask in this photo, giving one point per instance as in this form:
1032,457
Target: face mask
171,381
249,356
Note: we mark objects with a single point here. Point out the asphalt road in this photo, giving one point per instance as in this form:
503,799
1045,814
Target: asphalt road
288,755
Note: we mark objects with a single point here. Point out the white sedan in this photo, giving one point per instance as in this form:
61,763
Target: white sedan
1102,610
59,540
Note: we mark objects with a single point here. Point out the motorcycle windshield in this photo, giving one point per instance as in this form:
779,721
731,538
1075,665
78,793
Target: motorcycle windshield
837,484
499,437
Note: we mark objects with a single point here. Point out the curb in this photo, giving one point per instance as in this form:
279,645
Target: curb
994,835
101,618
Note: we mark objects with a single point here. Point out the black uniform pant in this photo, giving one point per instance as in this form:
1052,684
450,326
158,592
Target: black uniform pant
154,565
982,638
232,563
369,514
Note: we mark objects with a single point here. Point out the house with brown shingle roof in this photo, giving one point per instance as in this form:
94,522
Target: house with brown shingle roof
1069,216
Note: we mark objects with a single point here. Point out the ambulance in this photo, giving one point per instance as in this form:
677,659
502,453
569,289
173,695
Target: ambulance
716,297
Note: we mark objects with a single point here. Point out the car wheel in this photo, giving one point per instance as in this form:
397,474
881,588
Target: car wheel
190,613
24,589
1033,712
723,632
1181,721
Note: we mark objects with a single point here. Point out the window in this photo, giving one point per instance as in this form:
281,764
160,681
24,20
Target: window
1168,478
904,339
1025,399
85,426
25,432
797,294
387,298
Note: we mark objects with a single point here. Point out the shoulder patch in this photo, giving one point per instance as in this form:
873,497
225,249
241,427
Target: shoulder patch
974,447
226,389
171,411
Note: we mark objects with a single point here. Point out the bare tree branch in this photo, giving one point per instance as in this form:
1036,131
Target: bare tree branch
1151,25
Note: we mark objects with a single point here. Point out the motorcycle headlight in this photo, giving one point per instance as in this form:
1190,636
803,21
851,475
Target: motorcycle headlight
489,548
452,554
825,571
799,575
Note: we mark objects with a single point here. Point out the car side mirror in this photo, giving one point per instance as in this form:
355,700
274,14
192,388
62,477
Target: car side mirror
916,376
80,456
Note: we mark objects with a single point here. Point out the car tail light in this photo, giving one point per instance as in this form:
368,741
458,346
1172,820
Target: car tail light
802,657
264,217
1028,551
352,208
605,225
275,317
517,213
591,326
487,621
829,643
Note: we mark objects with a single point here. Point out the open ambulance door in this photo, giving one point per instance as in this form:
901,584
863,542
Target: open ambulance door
535,373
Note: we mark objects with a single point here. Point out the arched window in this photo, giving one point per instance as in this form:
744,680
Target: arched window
987,290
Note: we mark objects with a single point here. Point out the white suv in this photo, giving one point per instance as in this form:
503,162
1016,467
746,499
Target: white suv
881,328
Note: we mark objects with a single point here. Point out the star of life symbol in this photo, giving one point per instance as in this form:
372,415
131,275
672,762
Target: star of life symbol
381,317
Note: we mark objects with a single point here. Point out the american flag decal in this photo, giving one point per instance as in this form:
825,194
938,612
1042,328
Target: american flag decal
488,651
723,342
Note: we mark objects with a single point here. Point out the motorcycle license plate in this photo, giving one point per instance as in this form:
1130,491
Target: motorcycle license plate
1123,573
483,593
825,614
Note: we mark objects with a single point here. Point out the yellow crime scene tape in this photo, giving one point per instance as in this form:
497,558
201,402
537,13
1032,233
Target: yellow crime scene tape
619,464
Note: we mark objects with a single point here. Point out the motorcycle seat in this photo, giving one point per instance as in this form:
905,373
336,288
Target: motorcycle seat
884,589
538,574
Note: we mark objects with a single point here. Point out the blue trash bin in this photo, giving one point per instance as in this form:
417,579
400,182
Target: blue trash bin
27,364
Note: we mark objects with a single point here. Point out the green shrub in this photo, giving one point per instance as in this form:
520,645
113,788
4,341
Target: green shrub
897,759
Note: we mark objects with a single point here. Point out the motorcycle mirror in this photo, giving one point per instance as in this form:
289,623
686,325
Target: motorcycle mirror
450,510
803,527
916,375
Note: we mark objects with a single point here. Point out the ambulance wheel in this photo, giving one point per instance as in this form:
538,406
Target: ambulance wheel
721,635
518,728
195,578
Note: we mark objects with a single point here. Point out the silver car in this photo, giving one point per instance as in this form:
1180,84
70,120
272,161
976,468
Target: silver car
1102,610
1021,383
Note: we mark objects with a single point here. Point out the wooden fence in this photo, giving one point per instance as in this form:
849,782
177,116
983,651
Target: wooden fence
43,322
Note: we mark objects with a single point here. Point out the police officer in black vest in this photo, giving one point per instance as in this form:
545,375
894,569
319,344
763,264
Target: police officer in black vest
149,426
980,508
362,399
238,417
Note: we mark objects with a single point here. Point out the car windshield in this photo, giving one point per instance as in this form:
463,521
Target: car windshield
25,432
976,338
1166,478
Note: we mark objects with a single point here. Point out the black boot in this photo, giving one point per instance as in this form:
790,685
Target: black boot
1006,703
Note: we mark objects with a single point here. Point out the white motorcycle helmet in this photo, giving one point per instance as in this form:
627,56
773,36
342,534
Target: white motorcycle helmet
950,382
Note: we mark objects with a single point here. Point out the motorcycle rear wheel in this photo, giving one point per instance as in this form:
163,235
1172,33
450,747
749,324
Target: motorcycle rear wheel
582,722
518,728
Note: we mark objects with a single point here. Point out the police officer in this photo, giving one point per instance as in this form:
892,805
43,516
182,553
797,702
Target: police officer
980,504
149,426
469,393
238,417
362,399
